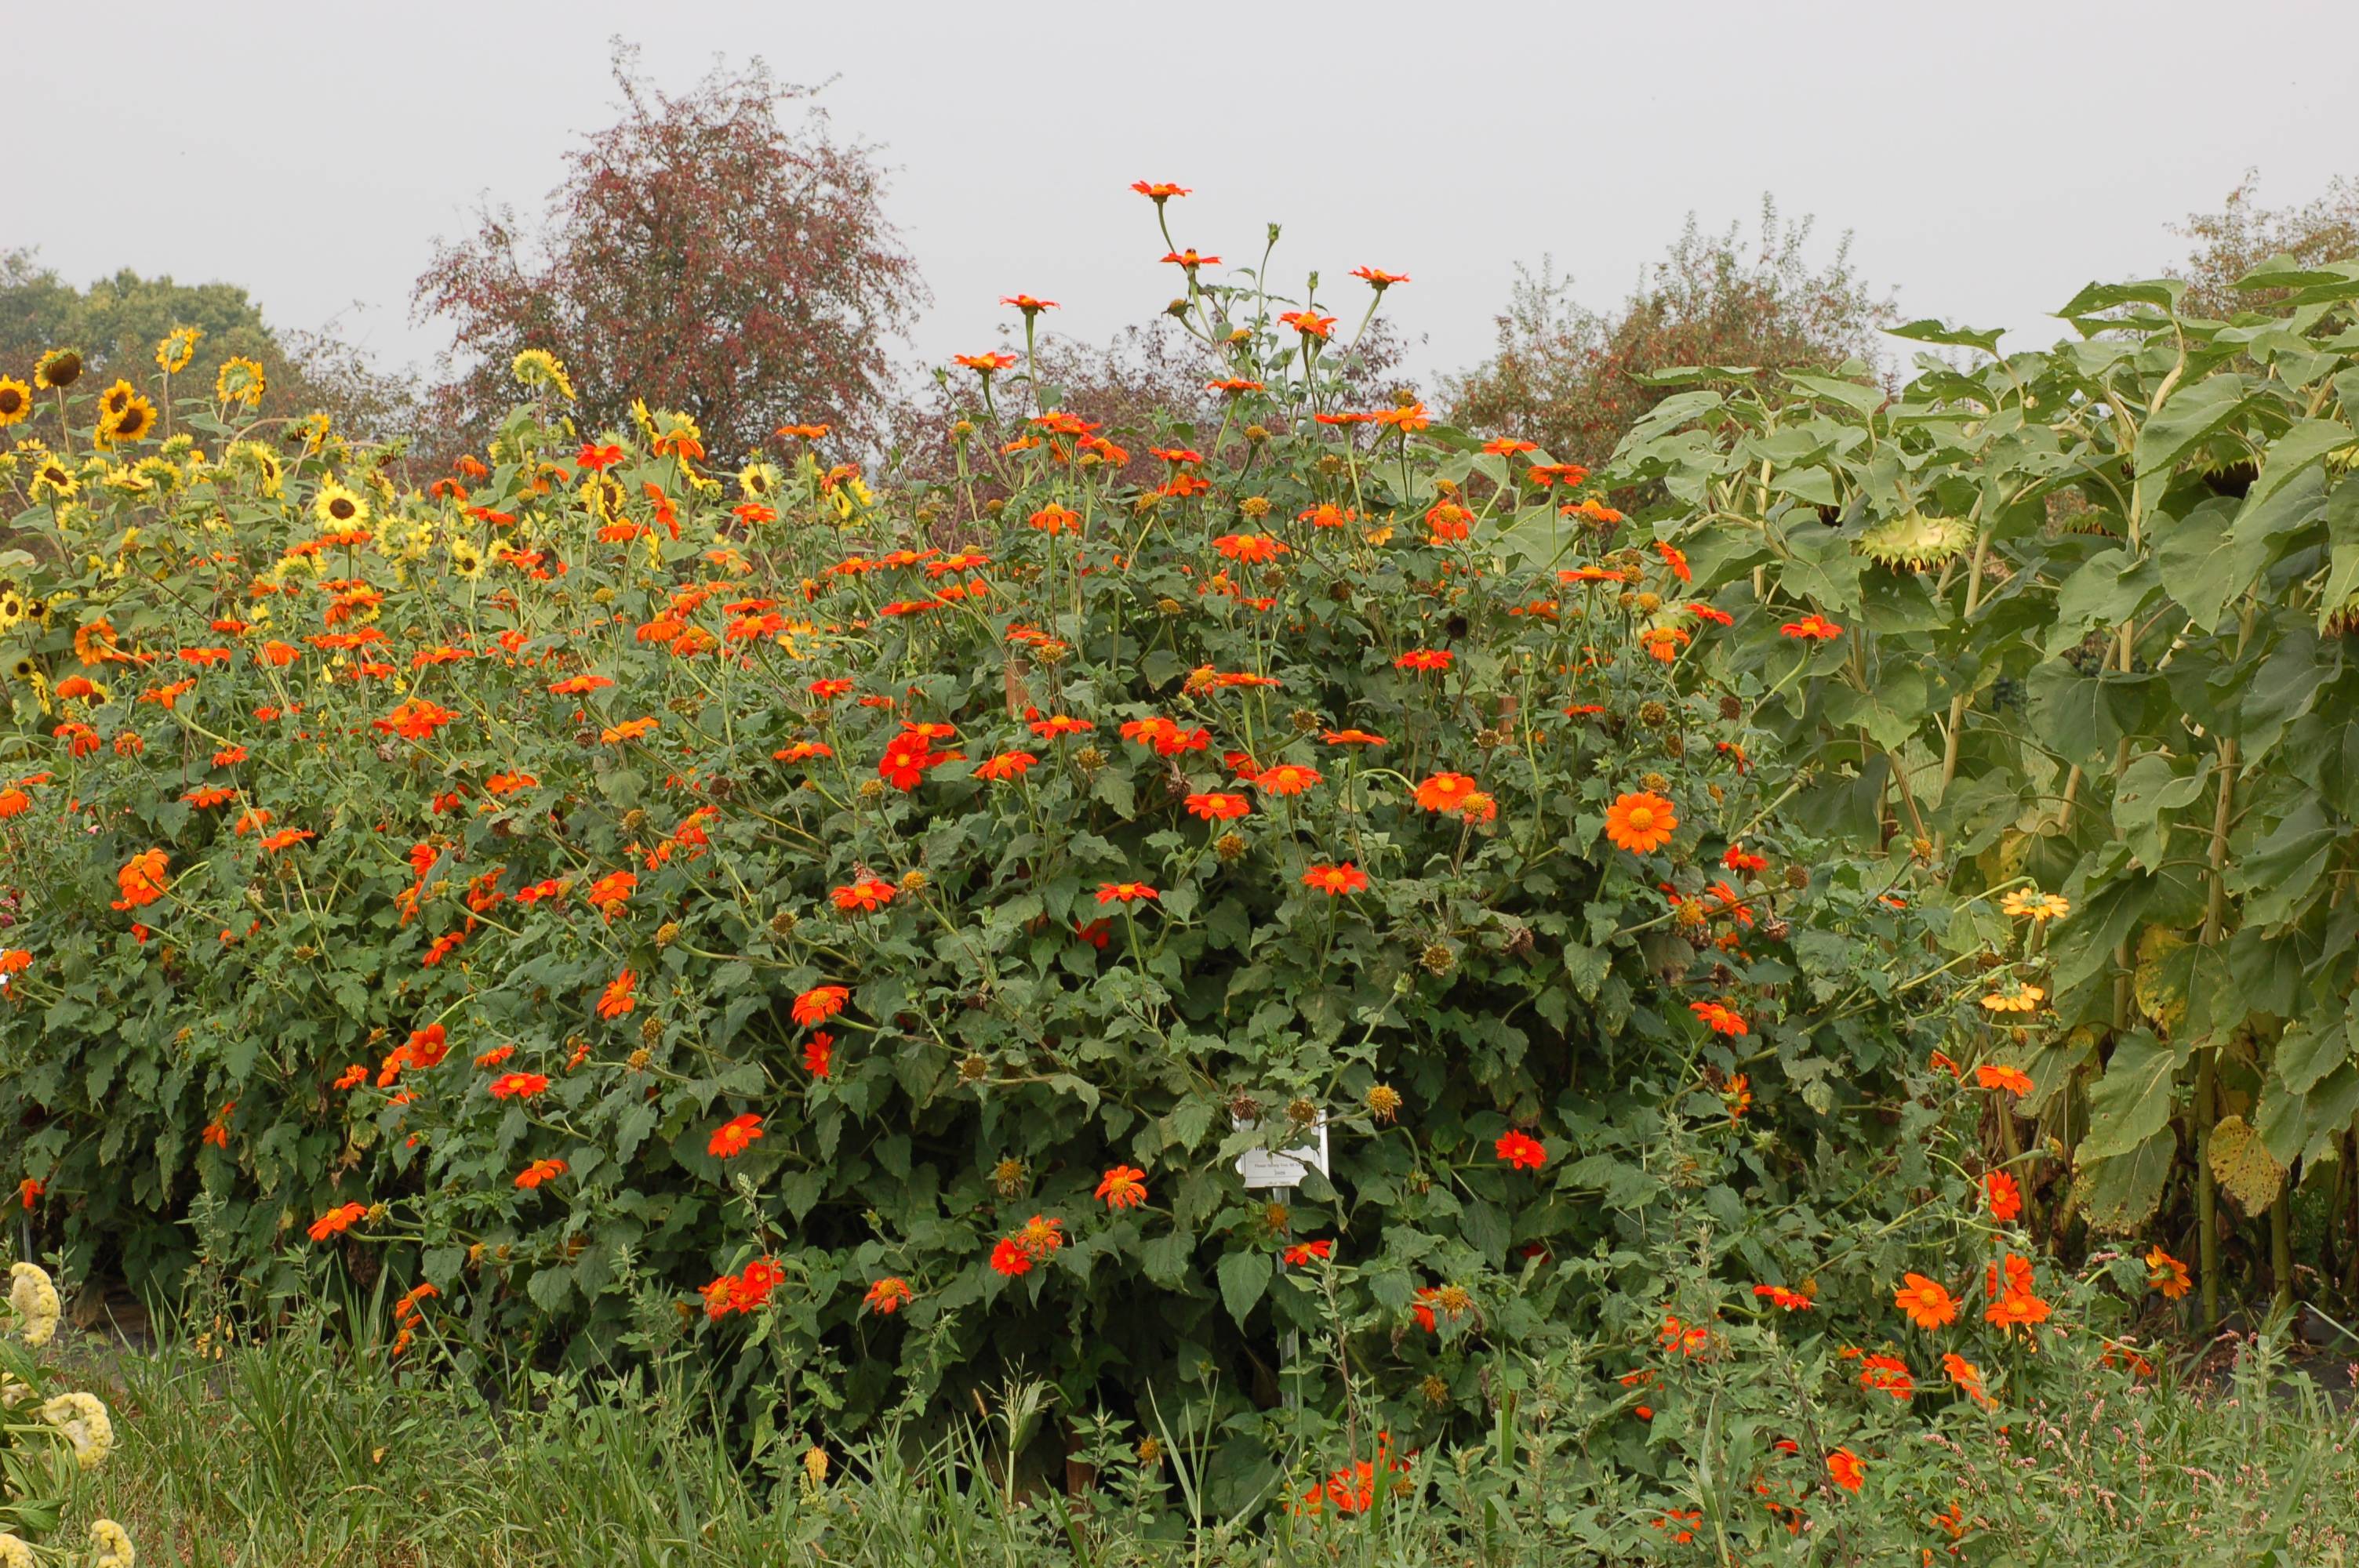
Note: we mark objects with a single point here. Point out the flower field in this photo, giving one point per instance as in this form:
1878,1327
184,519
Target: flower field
1802,939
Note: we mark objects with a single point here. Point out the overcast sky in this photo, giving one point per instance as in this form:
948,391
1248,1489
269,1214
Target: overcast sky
1989,156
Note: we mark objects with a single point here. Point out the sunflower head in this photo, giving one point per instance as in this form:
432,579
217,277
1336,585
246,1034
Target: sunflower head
57,369
339,507
178,347
1914,542
15,401
124,416
539,367
239,380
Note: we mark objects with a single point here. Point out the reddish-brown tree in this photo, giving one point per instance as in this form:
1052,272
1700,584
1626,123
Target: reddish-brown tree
699,253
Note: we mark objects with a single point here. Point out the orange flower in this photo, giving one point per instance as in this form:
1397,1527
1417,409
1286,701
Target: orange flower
1218,806
1303,1252
1029,305
1350,738
1309,323
518,1086
1812,628
1720,1018
819,1053
1157,191
1124,892
1125,1186
1252,549
1335,881
2014,1080
866,895
986,364
1447,792
416,719
1521,1150
629,729
1640,823
1424,659
734,1136
2167,1274
1887,1375
540,1170
1008,1258
142,879
338,1220
581,685
886,1296
1378,278
1928,1303
1781,1297
617,999
1844,1468
1286,778
287,836
1005,766
1967,1376
819,1004
2001,1195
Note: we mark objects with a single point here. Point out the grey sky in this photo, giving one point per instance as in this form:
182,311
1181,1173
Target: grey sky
1991,157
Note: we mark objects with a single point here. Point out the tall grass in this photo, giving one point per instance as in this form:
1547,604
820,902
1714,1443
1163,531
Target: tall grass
293,1451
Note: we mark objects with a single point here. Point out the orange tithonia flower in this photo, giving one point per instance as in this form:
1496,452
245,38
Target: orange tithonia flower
518,1085
734,1136
142,879
540,1170
1010,1258
337,1220
1124,892
1967,1376
1927,1302
2167,1274
2004,1198
1783,1299
1521,1150
885,1296
1640,823
617,999
821,1003
1447,792
1844,1468
2014,1080
1812,629
1335,881
1006,765
1719,1016
1125,1186
1286,778
867,894
1219,806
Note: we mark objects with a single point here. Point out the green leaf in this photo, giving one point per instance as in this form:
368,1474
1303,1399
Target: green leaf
1243,1276
1933,331
2124,1191
2132,1101
2195,412
2312,1048
2295,452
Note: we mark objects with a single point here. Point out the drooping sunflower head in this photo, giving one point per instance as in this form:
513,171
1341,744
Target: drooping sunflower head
56,370
15,401
758,481
340,507
1914,542
178,347
539,367
239,380
270,474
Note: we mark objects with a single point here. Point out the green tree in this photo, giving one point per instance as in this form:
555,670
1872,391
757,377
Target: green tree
1575,380
2230,244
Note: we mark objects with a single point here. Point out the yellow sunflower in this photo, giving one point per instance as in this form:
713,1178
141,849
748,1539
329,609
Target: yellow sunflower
465,558
124,417
178,347
52,481
339,507
239,380
16,400
269,470
539,367
56,370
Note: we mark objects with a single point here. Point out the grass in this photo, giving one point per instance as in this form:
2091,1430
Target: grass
292,1453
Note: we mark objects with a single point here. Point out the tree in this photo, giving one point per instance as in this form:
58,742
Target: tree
1572,379
117,321
2240,236
697,253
